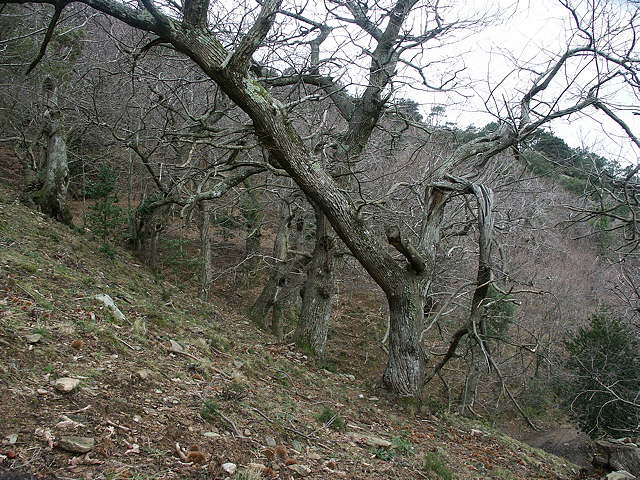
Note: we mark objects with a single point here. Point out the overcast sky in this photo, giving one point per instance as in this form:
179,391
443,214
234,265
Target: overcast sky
528,29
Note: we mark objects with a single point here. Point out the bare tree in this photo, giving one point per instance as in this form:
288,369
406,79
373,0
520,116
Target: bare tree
405,283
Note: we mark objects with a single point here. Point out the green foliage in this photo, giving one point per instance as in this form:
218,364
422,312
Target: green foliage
331,418
209,411
538,399
235,391
552,147
500,313
382,453
434,463
327,364
105,217
402,446
604,377
176,254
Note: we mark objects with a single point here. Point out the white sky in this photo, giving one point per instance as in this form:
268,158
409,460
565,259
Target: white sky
533,27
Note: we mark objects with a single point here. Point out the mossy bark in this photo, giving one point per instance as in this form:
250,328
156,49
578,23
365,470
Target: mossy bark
52,197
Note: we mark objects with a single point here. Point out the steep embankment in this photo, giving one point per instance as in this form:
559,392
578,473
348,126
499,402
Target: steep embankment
175,371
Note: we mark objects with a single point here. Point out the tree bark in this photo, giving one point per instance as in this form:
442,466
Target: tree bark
267,297
251,210
206,272
318,291
52,197
404,372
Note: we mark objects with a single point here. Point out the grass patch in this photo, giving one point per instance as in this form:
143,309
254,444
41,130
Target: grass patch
402,446
331,419
434,463
382,453
210,411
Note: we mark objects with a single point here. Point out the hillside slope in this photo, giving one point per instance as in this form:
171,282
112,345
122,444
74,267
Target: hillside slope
178,371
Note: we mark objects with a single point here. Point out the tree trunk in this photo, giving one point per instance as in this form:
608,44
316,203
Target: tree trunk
52,197
265,301
472,380
205,250
404,372
252,212
319,287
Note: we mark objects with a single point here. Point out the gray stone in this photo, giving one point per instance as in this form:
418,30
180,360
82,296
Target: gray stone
143,374
620,456
229,467
66,384
270,441
175,347
35,338
301,470
620,475
76,444
370,440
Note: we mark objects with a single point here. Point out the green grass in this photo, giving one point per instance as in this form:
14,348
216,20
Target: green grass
402,446
209,411
332,419
434,463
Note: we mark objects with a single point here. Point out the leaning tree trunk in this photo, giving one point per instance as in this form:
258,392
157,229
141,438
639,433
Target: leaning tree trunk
317,298
52,197
267,297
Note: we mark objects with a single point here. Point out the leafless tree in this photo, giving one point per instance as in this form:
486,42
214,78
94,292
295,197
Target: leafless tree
548,94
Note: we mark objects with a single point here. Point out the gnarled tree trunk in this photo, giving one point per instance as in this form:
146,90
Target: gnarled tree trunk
318,291
404,372
267,297
52,197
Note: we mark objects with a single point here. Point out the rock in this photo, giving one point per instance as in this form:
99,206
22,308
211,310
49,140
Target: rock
301,470
76,444
11,439
66,384
175,347
620,456
110,304
230,468
270,441
35,338
620,475
351,378
314,456
246,432
258,467
143,374
370,440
